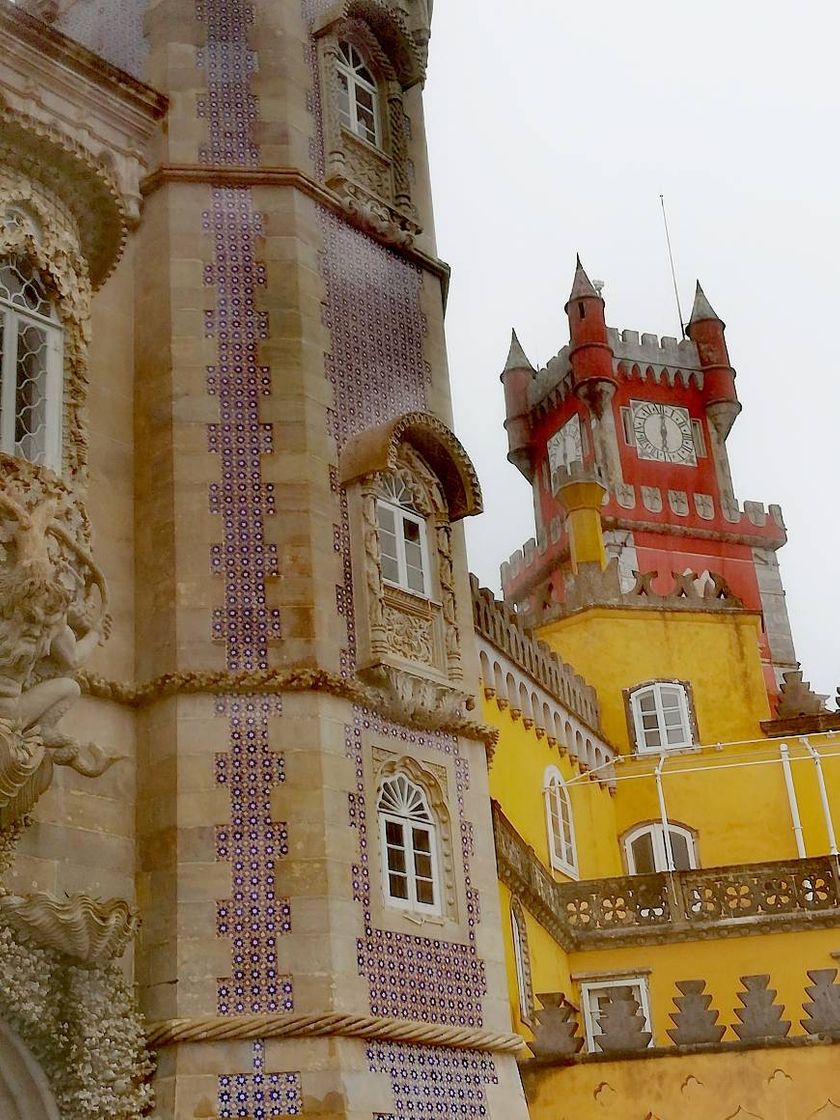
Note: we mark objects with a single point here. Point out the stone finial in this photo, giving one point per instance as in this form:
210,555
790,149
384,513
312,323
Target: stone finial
622,1022
557,1033
695,1021
796,697
760,1017
582,286
702,309
823,1006
517,358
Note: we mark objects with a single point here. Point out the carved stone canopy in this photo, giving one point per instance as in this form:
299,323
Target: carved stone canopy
391,32
375,451
42,154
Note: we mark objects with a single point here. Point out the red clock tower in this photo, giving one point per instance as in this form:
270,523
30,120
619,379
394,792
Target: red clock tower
650,416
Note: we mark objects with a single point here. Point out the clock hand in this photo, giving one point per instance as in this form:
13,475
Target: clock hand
663,431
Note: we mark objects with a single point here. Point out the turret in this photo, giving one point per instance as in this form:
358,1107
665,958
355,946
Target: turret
582,492
706,330
595,382
516,378
590,354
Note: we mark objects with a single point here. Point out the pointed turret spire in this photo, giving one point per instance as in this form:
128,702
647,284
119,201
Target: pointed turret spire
582,286
517,358
702,311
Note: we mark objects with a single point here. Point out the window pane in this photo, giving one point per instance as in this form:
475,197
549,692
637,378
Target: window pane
398,886
364,100
680,851
652,738
386,519
647,702
21,286
425,892
390,569
642,849
411,532
343,99
31,393
415,580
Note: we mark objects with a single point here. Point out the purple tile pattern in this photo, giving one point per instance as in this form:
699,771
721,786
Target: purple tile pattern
434,1082
253,917
259,1095
412,977
110,28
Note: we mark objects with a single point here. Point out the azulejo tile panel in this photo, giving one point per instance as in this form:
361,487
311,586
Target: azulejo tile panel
434,1082
411,977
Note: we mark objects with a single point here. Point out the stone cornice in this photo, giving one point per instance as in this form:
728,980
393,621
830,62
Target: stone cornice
214,682
50,44
291,177
214,1028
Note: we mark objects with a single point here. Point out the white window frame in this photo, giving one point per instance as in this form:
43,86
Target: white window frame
588,992
660,848
401,516
562,848
13,317
655,689
408,824
519,950
355,82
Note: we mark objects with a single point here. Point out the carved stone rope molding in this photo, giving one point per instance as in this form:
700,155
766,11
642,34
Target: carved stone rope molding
281,680
219,1028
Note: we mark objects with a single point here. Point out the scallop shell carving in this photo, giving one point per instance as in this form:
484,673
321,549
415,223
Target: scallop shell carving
88,929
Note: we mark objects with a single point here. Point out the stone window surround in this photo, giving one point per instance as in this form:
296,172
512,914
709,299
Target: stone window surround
424,821
14,320
689,709
386,165
592,983
49,244
436,780
522,962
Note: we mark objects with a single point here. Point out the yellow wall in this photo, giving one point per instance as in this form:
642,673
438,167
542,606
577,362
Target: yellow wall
549,963
517,782
615,648
778,1084
785,957
735,798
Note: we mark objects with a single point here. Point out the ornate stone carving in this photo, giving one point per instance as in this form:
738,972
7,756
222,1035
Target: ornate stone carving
373,182
53,613
622,1022
760,1017
409,637
49,242
675,906
695,1020
557,1033
87,929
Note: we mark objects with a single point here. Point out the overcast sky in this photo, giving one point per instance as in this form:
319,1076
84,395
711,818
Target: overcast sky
553,128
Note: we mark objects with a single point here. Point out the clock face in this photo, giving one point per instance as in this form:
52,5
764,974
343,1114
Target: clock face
663,432
566,445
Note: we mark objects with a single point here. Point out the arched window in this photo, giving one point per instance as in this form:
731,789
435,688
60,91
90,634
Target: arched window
559,822
408,837
646,849
358,97
30,367
522,961
403,548
661,716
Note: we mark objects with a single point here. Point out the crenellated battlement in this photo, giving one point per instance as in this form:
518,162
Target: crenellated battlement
503,628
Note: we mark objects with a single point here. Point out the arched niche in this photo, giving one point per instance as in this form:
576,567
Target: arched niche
25,1093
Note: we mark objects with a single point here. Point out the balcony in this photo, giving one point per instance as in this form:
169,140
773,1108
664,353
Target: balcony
669,906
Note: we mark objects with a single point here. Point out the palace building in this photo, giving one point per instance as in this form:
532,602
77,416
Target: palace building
295,818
